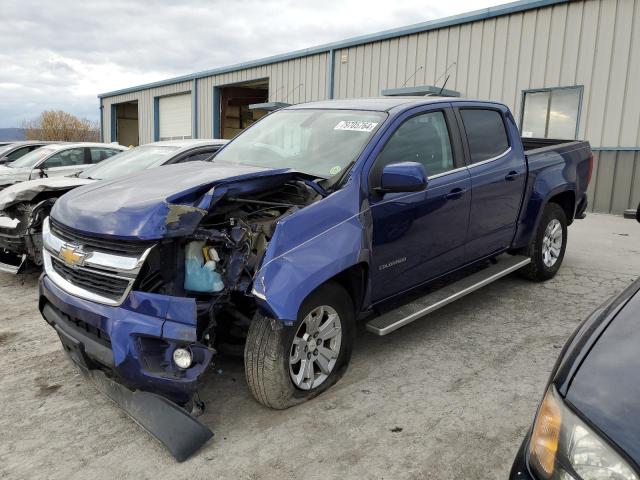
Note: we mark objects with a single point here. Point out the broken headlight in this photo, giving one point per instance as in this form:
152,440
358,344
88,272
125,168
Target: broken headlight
563,447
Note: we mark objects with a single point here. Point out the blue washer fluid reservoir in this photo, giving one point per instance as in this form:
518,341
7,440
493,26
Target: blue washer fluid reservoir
200,276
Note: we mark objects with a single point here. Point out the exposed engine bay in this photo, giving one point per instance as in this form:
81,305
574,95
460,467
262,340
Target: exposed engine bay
217,263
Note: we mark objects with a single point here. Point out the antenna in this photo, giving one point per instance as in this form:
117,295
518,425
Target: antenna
444,73
445,82
413,75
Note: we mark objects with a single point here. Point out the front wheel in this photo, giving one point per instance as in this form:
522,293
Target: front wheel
548,245
290,365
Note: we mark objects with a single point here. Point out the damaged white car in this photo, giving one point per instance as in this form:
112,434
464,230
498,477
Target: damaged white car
25,205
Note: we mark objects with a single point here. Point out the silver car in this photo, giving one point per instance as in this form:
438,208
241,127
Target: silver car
56,160
13,151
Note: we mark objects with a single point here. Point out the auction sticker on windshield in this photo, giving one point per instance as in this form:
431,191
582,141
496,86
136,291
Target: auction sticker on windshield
355,126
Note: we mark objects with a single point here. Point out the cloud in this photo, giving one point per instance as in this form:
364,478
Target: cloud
60,55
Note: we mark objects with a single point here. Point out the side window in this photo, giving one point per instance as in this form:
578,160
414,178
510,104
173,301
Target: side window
100,154
424,139
486,133
200,155
18,153
66,158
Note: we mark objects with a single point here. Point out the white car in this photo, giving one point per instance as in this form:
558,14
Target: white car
56,160
25,205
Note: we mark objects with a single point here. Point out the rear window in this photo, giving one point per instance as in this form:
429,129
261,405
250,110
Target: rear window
486,133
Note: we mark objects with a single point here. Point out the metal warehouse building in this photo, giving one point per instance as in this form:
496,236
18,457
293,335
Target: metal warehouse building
566,68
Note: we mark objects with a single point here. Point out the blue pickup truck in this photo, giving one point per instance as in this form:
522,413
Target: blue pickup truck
317,216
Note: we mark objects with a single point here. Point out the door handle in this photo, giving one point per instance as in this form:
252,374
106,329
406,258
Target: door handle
455,193
511,176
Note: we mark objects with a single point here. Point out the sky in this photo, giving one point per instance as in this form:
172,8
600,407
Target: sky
60,54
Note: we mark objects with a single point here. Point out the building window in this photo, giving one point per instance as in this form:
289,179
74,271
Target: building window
551,112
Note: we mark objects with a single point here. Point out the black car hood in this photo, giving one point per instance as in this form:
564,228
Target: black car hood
606,386
161,202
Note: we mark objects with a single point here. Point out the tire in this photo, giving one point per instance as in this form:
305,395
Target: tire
268,351
541,268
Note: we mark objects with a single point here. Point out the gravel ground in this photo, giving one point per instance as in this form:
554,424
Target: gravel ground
449,396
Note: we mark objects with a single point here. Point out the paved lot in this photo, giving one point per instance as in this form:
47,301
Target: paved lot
450,396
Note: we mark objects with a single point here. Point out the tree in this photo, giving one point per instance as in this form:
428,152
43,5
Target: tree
61,126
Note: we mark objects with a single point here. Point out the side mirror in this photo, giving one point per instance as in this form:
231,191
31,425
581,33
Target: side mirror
403,177
638,213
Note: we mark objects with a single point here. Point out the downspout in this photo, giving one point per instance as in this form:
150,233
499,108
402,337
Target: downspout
331,73
101,121
194,109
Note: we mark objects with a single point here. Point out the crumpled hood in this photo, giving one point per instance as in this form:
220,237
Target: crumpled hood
160,202
26,191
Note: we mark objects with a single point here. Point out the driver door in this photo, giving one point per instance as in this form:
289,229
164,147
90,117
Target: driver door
63,163
421,235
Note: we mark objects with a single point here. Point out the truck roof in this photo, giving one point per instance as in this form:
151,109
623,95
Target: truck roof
381,104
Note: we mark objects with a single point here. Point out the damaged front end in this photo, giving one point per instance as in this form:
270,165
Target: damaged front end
150,314
21,237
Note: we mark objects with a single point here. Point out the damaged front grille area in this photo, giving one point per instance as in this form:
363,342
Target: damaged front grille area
107,286
117,247
89,268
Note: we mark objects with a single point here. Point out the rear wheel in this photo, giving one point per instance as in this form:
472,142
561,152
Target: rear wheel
548,245
289,365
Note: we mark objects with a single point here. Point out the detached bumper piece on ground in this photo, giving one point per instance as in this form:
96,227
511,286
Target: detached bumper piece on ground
90,349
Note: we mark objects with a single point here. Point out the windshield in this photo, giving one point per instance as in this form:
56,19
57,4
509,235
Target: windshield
318,142
32,158
129,161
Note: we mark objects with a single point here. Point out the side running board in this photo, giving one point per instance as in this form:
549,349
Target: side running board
401,316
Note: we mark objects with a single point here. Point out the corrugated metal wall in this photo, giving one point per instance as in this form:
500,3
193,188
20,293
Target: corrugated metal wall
579,43
593,43
616,182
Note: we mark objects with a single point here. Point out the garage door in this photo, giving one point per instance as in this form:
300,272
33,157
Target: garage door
175,117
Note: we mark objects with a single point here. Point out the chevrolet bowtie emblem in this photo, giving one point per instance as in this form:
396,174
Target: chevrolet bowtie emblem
72,255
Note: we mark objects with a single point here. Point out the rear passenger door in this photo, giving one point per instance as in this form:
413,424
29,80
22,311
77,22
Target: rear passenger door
498,173
98,154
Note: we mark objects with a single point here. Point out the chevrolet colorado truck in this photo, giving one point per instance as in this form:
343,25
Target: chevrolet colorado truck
317,215
23,206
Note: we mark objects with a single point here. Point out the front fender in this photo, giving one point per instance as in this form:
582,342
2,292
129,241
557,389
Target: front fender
282,284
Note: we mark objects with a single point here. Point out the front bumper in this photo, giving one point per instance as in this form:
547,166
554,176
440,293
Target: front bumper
17,246
132,343
126,351
13,251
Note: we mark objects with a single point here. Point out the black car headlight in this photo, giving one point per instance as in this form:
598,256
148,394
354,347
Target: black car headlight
563,447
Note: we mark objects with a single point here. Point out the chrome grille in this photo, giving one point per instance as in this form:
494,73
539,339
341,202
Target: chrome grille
108,286
99,270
